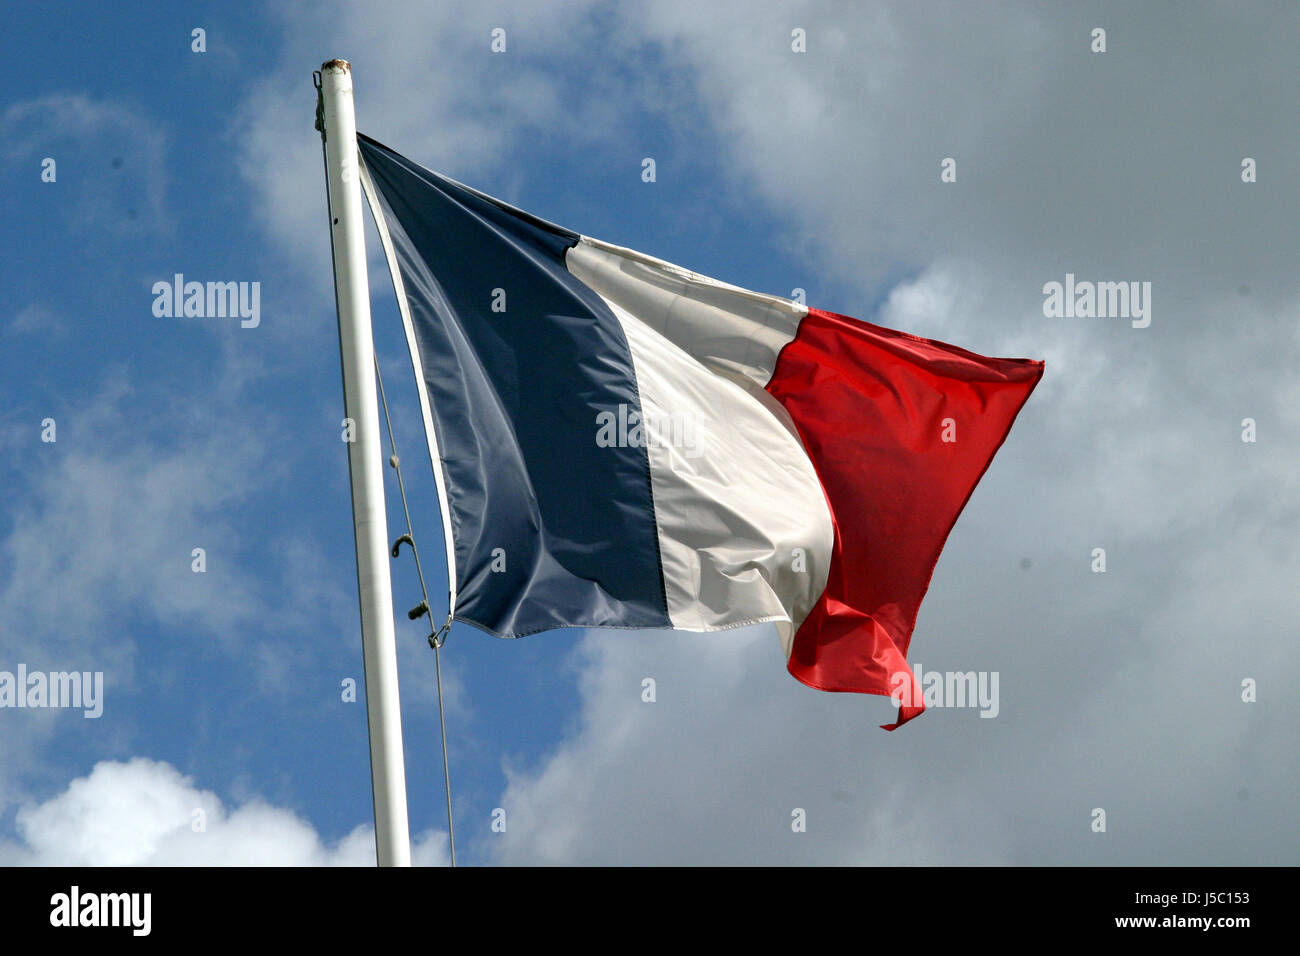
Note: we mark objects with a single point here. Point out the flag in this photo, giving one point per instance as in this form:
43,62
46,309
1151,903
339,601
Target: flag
623,443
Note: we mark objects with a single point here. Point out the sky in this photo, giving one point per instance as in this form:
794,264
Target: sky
1158,691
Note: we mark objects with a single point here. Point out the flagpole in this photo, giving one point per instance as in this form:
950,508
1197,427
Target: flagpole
365,466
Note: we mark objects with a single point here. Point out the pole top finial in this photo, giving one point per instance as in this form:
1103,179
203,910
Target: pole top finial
341,66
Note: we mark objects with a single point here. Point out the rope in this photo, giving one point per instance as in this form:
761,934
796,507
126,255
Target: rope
439,637
436,638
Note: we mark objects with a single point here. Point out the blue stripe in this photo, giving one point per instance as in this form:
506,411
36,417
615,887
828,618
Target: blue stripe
514,397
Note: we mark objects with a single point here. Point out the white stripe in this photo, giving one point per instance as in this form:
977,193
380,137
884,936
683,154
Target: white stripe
435,457
745,533
735,332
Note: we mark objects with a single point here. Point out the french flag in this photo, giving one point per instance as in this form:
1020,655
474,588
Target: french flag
622,443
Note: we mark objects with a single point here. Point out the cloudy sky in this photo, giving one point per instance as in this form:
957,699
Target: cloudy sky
224,736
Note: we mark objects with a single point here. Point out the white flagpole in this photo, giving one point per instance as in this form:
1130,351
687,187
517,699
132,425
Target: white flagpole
365,465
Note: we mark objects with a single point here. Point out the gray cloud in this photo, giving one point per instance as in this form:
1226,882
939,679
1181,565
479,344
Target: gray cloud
1120,690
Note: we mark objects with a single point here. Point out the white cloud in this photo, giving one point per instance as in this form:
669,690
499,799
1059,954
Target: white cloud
1065,159
146,813
712,771
96,561
107,528
427,83
38,318
1118,690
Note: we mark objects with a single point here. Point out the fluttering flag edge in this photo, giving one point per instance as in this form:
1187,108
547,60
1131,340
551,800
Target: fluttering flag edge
1036,367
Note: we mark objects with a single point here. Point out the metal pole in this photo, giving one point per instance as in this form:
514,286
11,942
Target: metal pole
365,466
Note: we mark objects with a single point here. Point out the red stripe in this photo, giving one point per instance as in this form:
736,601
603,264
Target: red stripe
871,405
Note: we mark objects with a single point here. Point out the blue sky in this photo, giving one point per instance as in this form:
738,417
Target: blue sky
774,171
146,141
